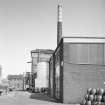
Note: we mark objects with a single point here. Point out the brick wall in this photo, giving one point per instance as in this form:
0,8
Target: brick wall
77,78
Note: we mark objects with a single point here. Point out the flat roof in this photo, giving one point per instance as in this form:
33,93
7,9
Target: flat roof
45,51
84,39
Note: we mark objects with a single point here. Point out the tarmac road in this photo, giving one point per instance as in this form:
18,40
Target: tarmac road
23,98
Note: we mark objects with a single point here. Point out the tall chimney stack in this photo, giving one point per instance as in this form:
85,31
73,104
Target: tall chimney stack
59,24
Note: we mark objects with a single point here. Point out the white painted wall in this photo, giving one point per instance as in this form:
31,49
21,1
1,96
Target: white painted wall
42,75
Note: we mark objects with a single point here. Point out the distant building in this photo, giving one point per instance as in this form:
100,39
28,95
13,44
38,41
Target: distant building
27,81
0,71
16,81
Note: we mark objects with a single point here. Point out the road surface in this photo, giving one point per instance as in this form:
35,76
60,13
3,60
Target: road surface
24,98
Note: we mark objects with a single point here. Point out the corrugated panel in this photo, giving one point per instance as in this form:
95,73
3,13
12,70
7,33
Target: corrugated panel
96,54
84,53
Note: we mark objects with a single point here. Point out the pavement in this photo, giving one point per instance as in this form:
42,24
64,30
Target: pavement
26,98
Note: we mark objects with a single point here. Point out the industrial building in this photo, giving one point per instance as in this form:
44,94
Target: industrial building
40,68
15,81
76,65
26,81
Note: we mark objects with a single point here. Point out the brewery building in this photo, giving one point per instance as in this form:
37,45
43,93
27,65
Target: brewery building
76,65
40,68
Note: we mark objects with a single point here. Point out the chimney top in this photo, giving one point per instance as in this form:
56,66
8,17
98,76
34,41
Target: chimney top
59,13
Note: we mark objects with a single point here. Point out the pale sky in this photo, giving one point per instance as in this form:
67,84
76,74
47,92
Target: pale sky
29,24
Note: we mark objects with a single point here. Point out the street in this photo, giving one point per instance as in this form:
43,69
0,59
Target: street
25,98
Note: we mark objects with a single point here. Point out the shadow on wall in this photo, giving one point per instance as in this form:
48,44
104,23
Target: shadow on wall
43,97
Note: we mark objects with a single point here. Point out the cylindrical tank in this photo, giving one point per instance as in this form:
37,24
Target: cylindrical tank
42,75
